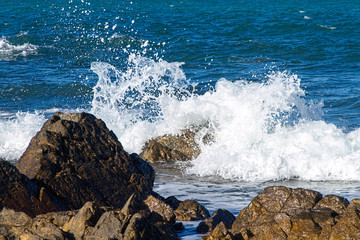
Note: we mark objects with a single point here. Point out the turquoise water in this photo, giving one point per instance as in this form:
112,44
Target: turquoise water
277,84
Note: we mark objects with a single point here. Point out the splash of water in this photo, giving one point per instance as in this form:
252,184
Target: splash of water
9,51
262,130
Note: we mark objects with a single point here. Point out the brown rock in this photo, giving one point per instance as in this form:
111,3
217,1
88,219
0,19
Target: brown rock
182,146
335,203
220,233
79,160
219,216
191,210
84,219
284,213
19,193
160,207
348,226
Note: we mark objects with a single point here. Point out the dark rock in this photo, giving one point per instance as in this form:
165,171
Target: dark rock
19,193
220,233
220,215
191,210
179,226
78,159
173,202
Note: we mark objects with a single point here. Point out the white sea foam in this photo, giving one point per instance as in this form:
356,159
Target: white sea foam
10,51
327,27
16,132
263,130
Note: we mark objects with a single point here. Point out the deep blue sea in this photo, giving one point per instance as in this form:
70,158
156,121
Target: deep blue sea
276,83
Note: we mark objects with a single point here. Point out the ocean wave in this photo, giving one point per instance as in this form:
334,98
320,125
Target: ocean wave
16,131
264,130
9,51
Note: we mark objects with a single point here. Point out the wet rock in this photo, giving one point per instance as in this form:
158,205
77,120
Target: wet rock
19,193
284,213
174,147
160,207
348,226
90,222
220,233
173,202
219,216
78,159
191,210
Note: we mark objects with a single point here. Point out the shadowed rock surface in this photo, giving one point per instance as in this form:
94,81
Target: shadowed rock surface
78,159
219,216
285,213
89,222
19,193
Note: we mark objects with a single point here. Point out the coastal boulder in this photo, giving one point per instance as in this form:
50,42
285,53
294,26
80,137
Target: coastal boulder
220,232
285,213
19,193
176,147
78,159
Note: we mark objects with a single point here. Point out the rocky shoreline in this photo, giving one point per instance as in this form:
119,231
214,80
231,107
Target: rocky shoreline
75,181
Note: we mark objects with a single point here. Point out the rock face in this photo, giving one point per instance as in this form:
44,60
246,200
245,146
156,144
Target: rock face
19,193
78,160
284,213
90,222
183,146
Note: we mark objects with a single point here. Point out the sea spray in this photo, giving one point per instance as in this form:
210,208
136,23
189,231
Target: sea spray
263,130
16,132
131,101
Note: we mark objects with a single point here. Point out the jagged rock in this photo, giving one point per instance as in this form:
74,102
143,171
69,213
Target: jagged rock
160,207
348,226
284,213
78,159
19,193
191,210
219,216
220,233
173,147
84,219
90,222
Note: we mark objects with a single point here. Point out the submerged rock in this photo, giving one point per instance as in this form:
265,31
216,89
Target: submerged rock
285,213
78,159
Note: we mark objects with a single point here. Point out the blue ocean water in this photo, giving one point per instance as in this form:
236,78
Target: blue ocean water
277,83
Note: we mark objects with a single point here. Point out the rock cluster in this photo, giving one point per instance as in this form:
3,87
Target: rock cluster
285,213
75,181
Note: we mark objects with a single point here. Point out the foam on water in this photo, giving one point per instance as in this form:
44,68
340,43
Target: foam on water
16,132
10,51
264,130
